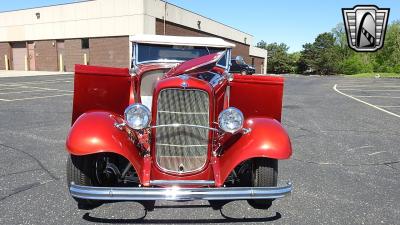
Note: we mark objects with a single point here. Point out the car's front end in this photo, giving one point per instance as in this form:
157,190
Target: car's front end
185,133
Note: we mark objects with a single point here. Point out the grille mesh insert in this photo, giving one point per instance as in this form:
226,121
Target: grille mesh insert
182,149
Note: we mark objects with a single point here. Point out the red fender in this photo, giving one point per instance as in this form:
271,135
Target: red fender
94,132
267,138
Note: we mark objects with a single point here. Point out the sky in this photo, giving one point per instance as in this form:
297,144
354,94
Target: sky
293,22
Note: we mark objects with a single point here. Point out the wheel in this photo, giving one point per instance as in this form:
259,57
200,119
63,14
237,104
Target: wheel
243,72
264,174
80,170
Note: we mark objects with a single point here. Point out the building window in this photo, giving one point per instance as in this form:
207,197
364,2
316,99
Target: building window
252,61
85,43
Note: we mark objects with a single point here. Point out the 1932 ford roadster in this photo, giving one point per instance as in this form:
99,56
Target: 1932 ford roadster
176,126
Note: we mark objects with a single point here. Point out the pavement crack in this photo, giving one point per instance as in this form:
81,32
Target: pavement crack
19,172
394,168
22,189
34,158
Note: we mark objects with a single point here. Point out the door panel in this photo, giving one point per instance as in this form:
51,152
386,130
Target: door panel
18,55
100,89
257,95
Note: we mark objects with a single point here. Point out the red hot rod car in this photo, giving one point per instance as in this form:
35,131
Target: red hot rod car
176,126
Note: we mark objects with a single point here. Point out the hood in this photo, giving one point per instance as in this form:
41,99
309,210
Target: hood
201,64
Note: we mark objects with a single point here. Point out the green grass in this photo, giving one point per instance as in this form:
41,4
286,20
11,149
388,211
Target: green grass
372,75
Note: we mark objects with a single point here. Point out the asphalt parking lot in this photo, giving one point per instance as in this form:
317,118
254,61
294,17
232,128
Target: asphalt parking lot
345,167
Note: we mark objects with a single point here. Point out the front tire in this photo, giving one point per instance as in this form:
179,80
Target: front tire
80,171
264,174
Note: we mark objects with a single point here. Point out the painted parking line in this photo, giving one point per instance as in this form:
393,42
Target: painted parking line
369,104
31,87
13,88
367,84
355,89
31,98
389,106
39,90
37,82
376,86
375,96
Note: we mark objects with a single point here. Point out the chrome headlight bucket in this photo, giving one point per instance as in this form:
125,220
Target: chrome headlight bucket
137,116
231,120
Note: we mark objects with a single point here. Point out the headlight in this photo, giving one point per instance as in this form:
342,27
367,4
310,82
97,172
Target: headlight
137,116
231,120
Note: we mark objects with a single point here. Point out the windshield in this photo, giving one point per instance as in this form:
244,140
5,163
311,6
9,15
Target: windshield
149,52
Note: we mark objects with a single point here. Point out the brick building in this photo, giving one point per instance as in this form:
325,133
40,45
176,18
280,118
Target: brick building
97,32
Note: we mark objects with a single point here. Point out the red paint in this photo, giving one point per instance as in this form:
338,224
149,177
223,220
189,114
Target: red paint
101,95
100,89
94,132
176,82
200,64
267,138
257,96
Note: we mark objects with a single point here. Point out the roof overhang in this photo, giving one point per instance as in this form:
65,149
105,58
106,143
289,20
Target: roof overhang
258,52
181,40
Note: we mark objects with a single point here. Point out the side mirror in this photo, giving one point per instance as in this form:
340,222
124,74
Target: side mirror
239,59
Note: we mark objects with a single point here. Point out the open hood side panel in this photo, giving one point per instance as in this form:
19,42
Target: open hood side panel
100,89
257,95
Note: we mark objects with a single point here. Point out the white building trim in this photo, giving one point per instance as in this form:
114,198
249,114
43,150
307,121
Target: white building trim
262,53
103,18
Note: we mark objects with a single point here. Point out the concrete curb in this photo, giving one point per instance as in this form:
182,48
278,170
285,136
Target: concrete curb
16,73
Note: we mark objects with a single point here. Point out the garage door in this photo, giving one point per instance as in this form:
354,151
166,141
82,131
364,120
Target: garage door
18,56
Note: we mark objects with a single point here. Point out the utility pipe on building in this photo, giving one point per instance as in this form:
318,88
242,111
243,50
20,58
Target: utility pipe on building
165,14
6,62
61,63
26,62
85,61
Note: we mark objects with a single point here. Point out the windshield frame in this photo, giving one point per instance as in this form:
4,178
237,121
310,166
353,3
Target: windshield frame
135,56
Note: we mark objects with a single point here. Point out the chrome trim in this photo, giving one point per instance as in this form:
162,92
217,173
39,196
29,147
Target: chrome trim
182,182
184,125
182,146
201,113
177,193
147,111
231,109
120,126
176,124
135,57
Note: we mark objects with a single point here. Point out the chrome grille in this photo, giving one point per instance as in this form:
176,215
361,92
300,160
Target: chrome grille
182,149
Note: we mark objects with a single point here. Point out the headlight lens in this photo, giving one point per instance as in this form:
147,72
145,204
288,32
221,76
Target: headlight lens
231,120
137,116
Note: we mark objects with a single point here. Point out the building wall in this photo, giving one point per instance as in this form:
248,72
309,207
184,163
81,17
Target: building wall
177,15
258,63
107,23
103,18
109,51
5,49
100,18
46,56
74,54
179,30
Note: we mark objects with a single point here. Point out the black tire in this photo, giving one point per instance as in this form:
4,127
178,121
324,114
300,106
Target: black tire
264,174
243,72
80,170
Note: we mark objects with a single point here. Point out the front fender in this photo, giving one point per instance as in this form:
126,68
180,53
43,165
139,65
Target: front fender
267,138
94,132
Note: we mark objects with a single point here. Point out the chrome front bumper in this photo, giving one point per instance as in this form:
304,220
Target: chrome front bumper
176,193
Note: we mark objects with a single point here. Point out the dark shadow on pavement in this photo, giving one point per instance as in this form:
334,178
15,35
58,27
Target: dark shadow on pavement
142,220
